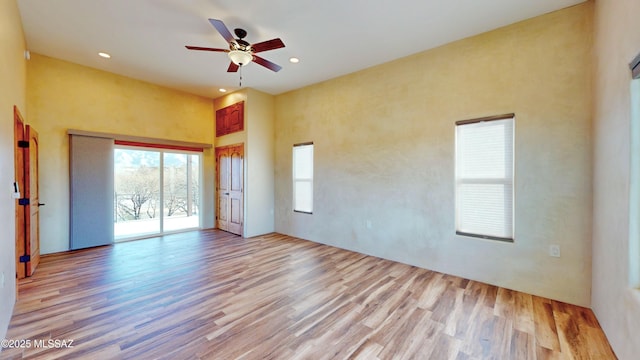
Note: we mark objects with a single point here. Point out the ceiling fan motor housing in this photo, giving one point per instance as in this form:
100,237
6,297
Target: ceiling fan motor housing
240,33
240,44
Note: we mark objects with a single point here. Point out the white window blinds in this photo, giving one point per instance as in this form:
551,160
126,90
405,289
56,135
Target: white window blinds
303,177
484,178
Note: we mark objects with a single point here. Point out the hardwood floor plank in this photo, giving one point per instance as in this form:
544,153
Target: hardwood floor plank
367,350
386,302
477,341
523,313
546,354
545,325
436,285
523,346
472,305
213,295
445,347
456,313
416,335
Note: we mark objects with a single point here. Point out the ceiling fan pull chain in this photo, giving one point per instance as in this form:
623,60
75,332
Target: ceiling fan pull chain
240,76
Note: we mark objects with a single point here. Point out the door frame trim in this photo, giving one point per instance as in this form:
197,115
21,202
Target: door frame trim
20,230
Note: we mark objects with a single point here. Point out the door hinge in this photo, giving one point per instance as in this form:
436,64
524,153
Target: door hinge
23,144
25,258
24,201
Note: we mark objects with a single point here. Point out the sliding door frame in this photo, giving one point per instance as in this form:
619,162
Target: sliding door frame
161,198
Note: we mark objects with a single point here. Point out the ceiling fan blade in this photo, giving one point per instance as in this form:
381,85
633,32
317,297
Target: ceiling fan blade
266,63
222,29
267,45
233,67
205,48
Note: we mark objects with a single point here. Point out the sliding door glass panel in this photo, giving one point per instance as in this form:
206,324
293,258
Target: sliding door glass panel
137,193
181,195
156,191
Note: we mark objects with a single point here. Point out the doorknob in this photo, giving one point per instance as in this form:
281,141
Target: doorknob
41,204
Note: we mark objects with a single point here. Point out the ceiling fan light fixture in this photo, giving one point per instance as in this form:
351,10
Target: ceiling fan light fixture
240,58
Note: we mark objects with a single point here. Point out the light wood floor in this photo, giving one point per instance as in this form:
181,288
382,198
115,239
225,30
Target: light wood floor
213,295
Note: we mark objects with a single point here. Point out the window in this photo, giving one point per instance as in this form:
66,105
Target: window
484,177
303,178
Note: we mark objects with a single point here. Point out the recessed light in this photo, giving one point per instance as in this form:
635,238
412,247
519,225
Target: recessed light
294,60
222,90
104,55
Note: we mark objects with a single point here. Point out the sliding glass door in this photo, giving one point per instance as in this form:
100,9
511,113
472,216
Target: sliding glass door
181,191
156,191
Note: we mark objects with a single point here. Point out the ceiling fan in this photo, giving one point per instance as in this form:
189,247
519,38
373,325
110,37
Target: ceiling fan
241,52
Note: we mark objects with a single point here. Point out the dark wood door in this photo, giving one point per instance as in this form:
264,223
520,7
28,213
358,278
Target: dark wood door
229,189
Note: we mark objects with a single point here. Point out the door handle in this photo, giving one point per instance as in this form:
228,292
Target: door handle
41,204
226,193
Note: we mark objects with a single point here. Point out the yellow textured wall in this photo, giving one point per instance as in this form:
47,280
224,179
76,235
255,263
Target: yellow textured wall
258,139
616,299
63,95
260,155
13,80
384,153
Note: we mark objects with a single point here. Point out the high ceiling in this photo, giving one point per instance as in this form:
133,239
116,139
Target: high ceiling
146,38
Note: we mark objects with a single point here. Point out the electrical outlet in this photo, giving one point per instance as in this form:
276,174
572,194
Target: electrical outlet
368,224
554,250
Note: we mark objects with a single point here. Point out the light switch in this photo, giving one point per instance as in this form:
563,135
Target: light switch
16,191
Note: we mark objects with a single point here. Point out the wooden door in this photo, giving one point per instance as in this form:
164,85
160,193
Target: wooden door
18,134
31,209
229,190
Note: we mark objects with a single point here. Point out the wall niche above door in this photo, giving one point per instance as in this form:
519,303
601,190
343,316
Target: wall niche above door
230,119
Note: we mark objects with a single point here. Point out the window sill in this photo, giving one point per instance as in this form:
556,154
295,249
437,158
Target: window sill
485,237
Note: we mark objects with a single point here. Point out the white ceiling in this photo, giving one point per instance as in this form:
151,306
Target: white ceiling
146,38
